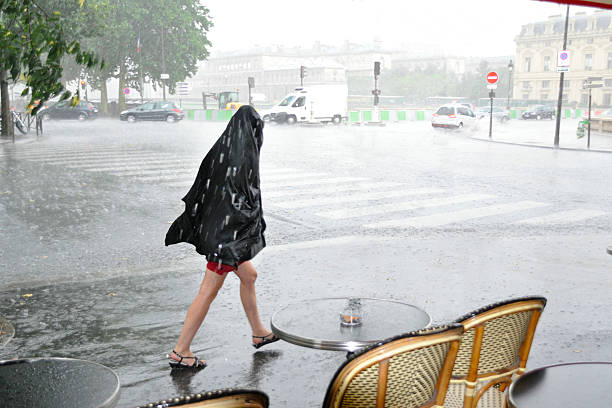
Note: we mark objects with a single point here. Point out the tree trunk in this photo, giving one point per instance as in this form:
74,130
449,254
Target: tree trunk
104,98
121,98
7,120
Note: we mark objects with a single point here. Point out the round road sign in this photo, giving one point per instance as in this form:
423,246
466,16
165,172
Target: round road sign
492,77
126,91
563,55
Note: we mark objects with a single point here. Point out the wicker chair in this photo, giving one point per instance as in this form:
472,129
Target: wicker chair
224,398
411,370
495,347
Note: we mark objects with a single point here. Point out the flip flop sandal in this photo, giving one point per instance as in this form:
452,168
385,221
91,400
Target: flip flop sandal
197,365
270,338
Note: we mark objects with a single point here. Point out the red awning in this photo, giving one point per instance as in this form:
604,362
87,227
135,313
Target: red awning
607,4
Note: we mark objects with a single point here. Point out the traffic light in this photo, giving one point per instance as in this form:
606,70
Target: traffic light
251,82
376,68
82,84
303,72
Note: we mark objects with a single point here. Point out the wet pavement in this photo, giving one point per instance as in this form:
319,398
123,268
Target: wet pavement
86,275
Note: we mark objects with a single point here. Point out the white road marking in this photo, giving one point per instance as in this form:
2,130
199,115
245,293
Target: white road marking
329,189
456,216
280,177
311,182
563,217
400,206
132,166
351,198
178,172
326,242
102,158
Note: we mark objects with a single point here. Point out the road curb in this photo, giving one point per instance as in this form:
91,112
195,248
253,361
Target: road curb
575,149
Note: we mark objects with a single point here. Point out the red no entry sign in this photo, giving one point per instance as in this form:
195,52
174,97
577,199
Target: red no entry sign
492,77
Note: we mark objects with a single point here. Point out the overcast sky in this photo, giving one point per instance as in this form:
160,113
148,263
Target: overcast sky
457,27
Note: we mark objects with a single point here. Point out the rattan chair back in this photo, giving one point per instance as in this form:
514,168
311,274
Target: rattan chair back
223,398
411,370
495,346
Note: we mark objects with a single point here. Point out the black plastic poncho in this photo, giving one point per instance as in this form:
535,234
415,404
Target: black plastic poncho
223,216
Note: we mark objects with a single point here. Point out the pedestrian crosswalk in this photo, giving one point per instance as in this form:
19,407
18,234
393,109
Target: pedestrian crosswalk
319,197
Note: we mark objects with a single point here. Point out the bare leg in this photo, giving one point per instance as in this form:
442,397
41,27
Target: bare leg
209,288
247,274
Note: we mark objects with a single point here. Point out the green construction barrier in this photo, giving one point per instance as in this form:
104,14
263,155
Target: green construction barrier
578,113
568,113
401,115
513,113
367,116
209,114
420,115
191,114
384,115
229,114
354,116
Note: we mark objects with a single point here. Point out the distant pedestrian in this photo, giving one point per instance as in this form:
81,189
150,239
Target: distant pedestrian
223,219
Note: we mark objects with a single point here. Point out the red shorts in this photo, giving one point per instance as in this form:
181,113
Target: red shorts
220,268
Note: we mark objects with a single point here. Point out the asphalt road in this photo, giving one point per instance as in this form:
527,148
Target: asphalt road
433,218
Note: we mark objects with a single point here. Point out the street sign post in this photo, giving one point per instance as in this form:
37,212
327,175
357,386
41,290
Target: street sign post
563,61
590,83
492,79
182,89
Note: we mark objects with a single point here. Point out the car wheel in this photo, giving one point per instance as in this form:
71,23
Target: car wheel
266,118
337,119
170,118
131,118
46,116
291,120
82,116
460,125
538,117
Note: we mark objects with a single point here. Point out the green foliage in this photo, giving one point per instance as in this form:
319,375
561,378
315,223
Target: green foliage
33,41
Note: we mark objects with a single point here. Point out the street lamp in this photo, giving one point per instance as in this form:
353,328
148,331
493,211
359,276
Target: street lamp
510,68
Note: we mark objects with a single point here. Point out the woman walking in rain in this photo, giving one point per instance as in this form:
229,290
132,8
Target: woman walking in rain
223,219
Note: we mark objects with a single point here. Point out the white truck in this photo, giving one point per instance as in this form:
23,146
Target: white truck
313,103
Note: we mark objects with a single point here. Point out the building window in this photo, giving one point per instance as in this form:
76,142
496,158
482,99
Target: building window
608,82
589,41
584,99
538,28
565,98
610,60
566,83
580,24
569,42
525,96
545,84
527,64
547,63
547,43
526,85
588,62
607,99
544,97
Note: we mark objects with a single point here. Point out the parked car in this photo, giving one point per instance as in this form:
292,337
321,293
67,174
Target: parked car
499,114
539,112
162,110
453,117
63,110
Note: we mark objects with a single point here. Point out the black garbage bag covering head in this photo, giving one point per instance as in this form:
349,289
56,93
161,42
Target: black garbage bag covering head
223,216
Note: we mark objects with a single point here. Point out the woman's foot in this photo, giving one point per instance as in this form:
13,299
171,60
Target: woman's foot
260,341
186,360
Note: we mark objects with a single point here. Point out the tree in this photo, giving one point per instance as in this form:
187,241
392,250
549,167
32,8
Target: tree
32,43
173,38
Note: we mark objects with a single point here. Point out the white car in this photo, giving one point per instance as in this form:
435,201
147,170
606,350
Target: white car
453,117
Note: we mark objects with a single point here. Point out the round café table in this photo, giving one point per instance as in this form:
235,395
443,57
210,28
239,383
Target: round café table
57,382
7,331
563,386
315,323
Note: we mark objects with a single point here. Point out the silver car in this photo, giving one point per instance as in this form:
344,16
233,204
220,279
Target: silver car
499,114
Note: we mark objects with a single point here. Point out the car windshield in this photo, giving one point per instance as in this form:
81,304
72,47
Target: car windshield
287,100
445,110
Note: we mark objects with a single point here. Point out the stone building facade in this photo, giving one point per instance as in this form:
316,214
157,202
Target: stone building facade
589,42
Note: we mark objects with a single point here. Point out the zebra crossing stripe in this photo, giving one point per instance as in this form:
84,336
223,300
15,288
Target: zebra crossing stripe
179,171
351,198
56,156
329,189
132,166
563,217
435,220
344,213
280,177
64,151
188,181
332,180
98,158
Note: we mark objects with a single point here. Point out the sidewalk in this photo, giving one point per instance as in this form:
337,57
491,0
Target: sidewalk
128,323
508,133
